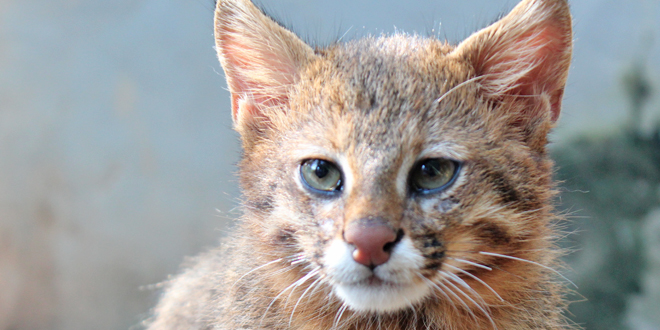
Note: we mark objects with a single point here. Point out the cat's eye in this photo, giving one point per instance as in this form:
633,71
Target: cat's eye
433,175
321,175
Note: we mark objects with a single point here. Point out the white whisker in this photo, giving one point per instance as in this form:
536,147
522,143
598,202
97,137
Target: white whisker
255,269
479,306
316,288
301,296
441,98
471,263
345,33
340,313
435,286
464,284
529,261
476,279
474,317
297,258
414,310
292,286
301,281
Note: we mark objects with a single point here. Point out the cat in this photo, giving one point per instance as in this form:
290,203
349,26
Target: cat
391,182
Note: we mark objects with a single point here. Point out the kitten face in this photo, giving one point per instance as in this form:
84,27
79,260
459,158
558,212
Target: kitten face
400,171
377,147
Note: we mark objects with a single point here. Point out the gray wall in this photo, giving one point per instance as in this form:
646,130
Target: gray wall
116,149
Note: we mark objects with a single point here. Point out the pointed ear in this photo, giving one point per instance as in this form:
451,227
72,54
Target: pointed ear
526,54
260,58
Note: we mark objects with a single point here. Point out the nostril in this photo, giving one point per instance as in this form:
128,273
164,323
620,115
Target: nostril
373,242
390,245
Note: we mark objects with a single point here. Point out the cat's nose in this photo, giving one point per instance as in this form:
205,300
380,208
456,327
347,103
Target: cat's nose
373,242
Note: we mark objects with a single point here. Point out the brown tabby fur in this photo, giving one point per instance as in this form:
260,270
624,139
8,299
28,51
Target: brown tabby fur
375,105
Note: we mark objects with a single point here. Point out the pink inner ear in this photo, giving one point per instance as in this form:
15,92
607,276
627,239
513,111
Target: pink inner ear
259,77
545,77
545,50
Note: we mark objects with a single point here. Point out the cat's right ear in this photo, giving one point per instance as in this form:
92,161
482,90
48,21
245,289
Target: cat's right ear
261,60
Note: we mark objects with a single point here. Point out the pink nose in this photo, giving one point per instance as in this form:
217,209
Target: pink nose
373,242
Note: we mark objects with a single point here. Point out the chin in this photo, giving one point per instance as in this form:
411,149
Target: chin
380,297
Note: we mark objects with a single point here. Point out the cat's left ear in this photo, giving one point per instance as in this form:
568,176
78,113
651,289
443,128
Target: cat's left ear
526,55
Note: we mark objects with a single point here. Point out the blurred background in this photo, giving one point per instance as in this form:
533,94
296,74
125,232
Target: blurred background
117,155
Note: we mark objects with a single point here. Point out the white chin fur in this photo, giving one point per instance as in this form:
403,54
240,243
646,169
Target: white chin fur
397,289
380,298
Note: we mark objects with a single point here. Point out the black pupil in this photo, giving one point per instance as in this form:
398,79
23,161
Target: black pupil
320,168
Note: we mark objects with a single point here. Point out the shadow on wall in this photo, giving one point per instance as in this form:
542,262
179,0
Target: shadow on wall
611,190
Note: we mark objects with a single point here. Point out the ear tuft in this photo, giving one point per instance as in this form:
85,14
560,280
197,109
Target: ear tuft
525,54
260,58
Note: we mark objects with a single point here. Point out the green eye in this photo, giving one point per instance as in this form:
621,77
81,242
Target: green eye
434,174
321,176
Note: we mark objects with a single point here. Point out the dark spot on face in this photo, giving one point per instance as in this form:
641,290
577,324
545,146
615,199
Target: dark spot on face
264,204
320,243
432,247
431,242
437,255
511,193
504,188
433,264
493,234
285,235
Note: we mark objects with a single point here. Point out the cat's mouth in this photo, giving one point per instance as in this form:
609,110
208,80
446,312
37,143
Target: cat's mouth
389,287
375,282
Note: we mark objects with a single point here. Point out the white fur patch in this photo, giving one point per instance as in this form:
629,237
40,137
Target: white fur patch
392,286
402,175
444,150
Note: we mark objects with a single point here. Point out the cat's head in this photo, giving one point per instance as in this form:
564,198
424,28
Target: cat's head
399,169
